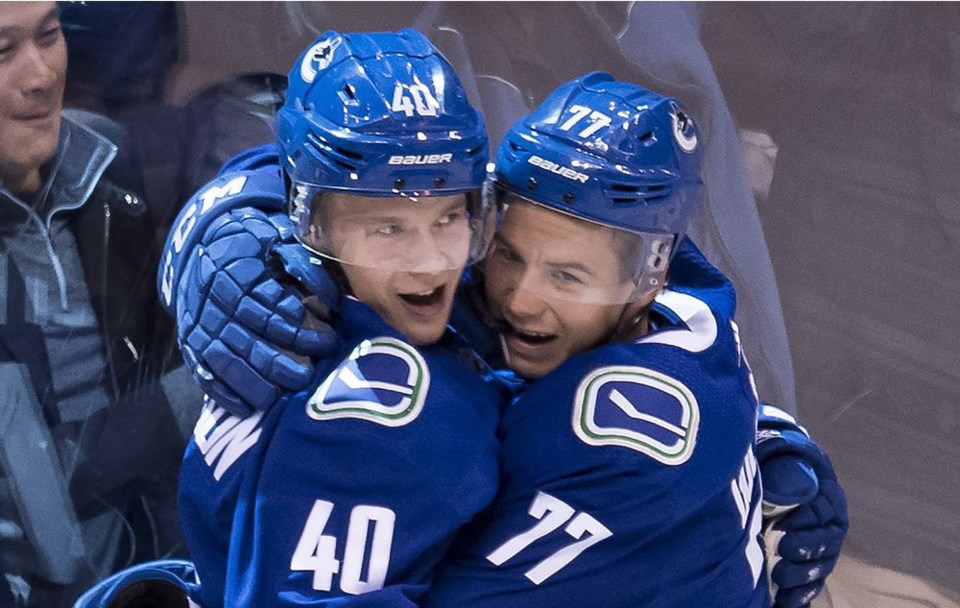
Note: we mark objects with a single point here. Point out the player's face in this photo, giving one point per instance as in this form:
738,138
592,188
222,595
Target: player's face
554,286
33,67
403,258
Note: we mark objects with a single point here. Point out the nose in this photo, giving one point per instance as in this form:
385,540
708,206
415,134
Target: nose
520,297
428,254
37,69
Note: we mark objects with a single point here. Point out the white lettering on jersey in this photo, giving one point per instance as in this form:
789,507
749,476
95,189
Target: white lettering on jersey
222,438
552,513
317,552
552,167
188,220
742,490
420,159
742,486
743,360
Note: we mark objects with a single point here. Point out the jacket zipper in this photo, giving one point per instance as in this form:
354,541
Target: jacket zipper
105,331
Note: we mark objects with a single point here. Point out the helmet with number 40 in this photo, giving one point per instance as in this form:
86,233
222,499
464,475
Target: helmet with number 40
380,115
611,153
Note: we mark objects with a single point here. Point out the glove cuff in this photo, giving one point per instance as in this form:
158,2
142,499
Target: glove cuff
772,418
259,189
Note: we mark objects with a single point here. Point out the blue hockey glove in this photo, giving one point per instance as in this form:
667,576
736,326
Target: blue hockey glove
805,509
245,328
165,582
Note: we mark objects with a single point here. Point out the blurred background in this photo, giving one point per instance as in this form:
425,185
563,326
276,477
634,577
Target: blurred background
833,194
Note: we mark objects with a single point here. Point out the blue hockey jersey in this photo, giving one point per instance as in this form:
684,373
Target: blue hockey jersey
628,473
349,493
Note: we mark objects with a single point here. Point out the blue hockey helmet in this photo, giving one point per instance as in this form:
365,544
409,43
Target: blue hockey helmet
611,153
380,115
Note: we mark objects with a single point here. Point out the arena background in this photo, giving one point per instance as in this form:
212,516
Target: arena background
832,201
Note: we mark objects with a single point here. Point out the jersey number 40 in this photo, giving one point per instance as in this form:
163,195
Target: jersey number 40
316,551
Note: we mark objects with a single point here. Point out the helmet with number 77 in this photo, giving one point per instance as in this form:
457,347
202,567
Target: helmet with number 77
380,115
610,153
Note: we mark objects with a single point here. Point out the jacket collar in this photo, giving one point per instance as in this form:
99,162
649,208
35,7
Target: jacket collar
71,175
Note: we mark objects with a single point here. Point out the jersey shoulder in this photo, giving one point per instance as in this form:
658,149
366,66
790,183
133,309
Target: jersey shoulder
681,387
692,274
381,378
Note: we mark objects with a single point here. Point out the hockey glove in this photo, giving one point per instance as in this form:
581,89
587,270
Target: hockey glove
242,324
805,509
165,583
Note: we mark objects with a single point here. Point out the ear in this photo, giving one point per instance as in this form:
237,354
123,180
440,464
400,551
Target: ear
634,319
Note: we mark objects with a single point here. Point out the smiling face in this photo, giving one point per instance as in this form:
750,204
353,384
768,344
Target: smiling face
33,67
404,258
555,286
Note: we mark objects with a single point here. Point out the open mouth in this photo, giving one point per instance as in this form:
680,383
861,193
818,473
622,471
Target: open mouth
528,337
425,299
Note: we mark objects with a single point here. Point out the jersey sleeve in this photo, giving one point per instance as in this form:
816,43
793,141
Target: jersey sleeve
223,450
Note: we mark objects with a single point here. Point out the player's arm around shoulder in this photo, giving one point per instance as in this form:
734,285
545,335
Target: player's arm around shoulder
245,324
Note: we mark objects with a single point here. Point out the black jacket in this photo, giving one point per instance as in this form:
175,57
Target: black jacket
133,447
129,451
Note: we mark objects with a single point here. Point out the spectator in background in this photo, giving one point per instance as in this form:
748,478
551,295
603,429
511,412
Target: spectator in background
87,480
121,55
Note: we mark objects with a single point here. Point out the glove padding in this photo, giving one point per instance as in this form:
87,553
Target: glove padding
242,324
165,583
805,508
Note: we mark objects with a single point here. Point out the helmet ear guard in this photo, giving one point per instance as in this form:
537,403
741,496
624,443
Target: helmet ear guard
610,153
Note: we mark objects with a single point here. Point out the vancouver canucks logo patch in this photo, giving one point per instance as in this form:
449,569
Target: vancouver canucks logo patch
640,409
384,380
318,58
683,130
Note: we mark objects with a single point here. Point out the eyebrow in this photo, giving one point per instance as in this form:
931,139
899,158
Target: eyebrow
375,219
457,204
52,14
398,219
572,266
553,265
499,238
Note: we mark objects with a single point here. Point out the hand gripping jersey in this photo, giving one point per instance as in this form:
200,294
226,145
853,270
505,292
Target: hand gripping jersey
628,474
348,493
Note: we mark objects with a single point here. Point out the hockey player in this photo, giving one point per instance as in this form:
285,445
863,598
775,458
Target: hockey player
640,404
630,477
348,493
